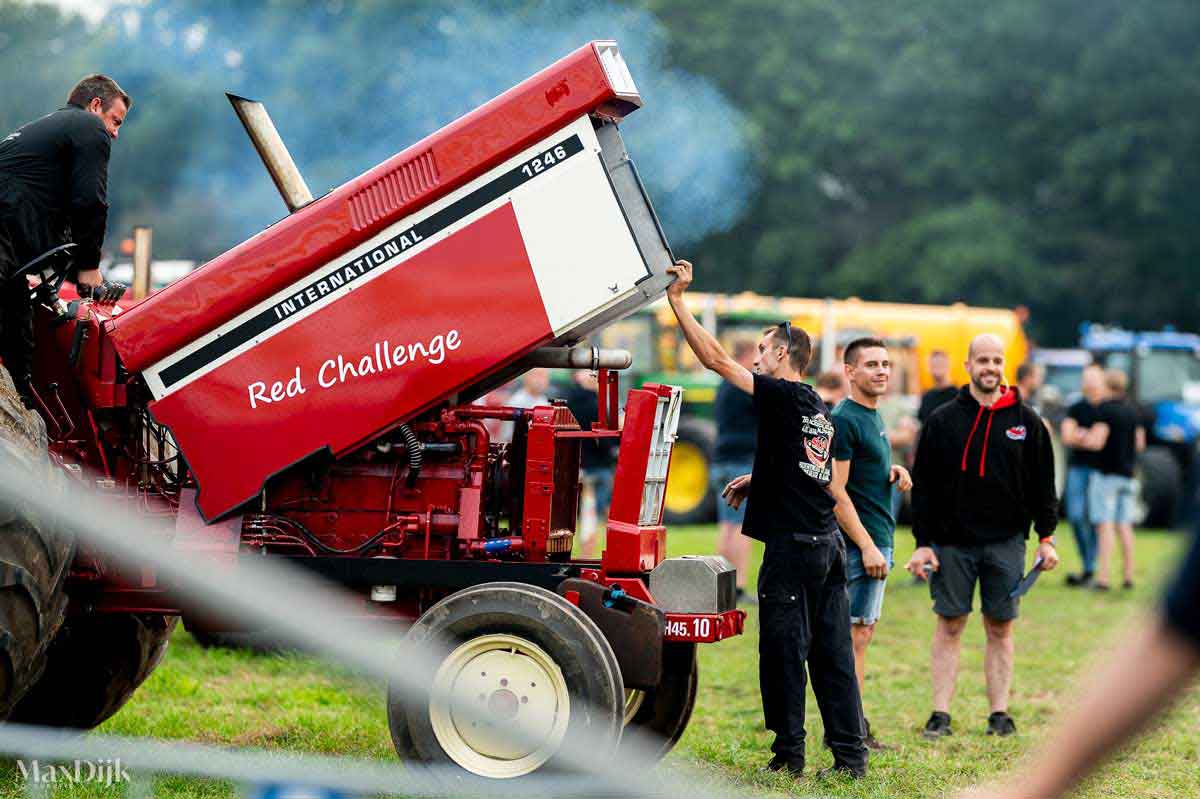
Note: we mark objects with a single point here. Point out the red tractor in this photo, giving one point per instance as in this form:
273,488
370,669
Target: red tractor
309,395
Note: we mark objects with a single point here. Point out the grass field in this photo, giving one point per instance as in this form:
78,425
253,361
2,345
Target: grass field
294,703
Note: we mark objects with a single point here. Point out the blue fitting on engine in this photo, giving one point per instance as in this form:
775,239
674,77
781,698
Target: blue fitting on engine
614,595
498,545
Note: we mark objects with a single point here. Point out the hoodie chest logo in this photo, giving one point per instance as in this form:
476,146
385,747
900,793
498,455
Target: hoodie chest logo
1016,433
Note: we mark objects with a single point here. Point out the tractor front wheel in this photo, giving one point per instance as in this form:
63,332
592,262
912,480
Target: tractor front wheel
522,671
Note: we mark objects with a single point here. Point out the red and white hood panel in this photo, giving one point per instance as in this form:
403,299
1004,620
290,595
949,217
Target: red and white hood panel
515,259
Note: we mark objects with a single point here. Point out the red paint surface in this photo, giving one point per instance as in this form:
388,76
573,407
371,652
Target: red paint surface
320,232
478,282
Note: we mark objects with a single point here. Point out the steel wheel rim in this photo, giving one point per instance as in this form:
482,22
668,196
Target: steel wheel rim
522,696
634,699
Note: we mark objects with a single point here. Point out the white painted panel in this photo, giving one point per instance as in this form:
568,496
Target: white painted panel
584,257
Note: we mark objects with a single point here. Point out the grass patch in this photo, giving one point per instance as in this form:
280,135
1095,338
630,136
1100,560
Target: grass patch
292,703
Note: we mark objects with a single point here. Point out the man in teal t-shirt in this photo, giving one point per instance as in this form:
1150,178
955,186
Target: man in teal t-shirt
863,474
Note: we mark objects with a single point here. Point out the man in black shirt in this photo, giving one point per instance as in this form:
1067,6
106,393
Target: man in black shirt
984,471
54,178
943,390
1116,437
805,614
733,457
1082,463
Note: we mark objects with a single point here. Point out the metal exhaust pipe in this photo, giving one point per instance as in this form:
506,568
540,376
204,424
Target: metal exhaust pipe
273,152
577,358
143,236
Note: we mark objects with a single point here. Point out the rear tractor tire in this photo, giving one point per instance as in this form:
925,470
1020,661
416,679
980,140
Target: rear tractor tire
519,659
95,665
34,561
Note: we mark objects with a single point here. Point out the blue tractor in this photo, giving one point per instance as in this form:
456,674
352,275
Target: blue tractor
1164,381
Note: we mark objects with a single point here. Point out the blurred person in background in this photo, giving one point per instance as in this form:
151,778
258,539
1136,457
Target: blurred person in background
596,460
529,393
1029,381
1082,463
863,476
1159,662
831,388
903,429
1117,437
984,472
733,457
532,392
943,390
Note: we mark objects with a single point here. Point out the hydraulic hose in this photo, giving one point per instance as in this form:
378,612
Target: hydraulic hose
413,444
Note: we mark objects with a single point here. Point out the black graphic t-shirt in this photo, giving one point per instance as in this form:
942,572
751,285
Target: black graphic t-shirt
788,490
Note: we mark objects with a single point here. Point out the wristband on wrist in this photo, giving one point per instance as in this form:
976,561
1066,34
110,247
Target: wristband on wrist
1049,539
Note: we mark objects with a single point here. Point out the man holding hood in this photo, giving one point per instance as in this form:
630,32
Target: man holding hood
984,472
804,608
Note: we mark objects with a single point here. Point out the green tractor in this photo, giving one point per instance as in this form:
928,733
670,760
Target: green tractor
663,356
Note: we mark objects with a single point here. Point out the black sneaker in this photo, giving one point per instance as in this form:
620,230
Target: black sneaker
1000,723
778,764
938,726
1081,580
840,771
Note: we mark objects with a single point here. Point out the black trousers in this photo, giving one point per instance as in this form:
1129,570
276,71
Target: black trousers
804,615
16,316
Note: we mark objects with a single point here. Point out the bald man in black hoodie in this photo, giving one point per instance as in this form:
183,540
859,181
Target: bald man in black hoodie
984,472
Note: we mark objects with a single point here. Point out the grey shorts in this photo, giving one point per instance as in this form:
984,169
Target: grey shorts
997,567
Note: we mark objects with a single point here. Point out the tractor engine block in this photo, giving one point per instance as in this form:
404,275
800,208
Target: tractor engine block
437,489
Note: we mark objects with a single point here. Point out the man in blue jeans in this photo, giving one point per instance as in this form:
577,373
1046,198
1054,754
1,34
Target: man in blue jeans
863,474
1082,462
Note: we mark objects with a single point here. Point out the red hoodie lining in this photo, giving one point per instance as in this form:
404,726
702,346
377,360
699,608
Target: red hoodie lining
970,436
1007,399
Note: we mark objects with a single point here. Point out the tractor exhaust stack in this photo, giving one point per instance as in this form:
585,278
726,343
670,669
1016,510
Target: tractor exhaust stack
273,152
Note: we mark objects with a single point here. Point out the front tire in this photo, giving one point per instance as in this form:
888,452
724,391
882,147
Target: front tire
518,658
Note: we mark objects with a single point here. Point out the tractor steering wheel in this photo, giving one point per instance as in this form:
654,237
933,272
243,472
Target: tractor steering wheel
51,267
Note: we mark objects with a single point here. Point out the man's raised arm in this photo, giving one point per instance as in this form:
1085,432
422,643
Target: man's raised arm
708,350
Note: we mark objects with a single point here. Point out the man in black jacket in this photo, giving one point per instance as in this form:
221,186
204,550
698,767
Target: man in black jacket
984,471
54,179
805,614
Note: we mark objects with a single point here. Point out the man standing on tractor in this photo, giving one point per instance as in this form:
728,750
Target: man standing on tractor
54,178
984,472
805,612
863,475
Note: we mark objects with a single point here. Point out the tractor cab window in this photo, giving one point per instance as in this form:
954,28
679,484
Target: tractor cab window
1168,375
